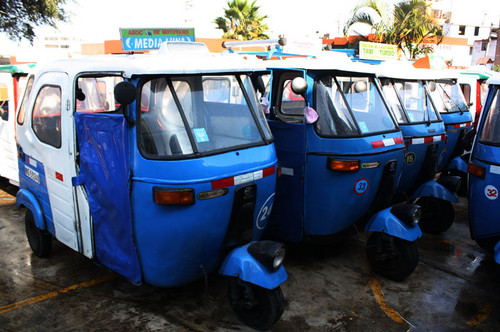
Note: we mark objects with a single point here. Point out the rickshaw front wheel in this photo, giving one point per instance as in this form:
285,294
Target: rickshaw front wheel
390,256
255,306
437,215
488,243
40,240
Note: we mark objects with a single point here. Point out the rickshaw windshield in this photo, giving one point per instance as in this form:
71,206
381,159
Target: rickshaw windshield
350,106
449,98
416,103
199,114
490,133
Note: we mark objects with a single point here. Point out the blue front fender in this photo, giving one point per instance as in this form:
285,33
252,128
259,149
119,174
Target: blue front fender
458,164
26,198
385,222
434,189
497,252
239,263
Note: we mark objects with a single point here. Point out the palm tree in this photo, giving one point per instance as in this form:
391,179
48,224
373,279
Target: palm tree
241,21
411,26
406,26
374,13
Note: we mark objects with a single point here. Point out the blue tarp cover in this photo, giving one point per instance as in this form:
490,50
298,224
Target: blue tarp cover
104,173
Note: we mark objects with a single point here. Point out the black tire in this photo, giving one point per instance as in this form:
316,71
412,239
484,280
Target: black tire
488,243
391,257
256,307
437,215
40,240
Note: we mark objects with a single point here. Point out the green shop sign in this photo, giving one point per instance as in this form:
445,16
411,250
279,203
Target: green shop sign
139,39
377,51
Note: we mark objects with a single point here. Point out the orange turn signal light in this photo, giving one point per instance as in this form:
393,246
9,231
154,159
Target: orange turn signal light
173,196
343,165
476,170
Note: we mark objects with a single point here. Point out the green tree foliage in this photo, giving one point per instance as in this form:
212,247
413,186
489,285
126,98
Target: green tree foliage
374,13
241,21
407,27
19,17
411,26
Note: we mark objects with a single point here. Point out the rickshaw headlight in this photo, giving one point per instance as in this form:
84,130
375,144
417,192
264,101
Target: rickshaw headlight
410,214
269,253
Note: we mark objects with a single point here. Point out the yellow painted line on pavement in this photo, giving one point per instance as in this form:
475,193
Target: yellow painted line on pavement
379,296
481,316
49,295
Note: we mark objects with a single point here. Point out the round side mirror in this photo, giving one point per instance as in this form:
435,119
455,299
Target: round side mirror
360,87
432,86
125,93
299,86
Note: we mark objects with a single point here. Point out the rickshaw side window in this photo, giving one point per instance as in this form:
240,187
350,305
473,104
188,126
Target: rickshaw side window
367,105
24,102
291,103
96,94
452,97
46,117
417,102
4,101
21,81
392,98
466,91
256,106
334,116
437,98
490,133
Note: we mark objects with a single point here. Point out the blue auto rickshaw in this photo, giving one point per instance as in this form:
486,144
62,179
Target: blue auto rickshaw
340,153
424,133
160,168
450,102
484,173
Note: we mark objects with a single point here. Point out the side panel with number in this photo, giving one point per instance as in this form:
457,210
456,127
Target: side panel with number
484,202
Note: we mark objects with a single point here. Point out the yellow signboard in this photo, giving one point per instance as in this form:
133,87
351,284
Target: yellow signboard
377,51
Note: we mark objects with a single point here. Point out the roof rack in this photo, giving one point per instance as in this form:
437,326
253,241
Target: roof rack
274,48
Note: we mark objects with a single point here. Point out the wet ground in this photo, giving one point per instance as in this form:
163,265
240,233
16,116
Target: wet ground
455,287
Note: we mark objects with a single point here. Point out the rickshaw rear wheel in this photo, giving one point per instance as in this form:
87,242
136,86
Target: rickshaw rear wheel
255,306
390,256
40,240
437,215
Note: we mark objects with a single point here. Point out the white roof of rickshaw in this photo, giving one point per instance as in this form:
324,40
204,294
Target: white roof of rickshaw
494,80
398,69
145,64
323,61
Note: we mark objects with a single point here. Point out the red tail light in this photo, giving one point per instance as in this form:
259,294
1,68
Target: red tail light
343,165
476,170
172,196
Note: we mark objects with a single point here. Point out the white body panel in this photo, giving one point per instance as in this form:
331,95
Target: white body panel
8,150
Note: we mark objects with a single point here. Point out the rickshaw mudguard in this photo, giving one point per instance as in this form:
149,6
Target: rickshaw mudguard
104,174
434,189
386,222
25,198
239,263
459,164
